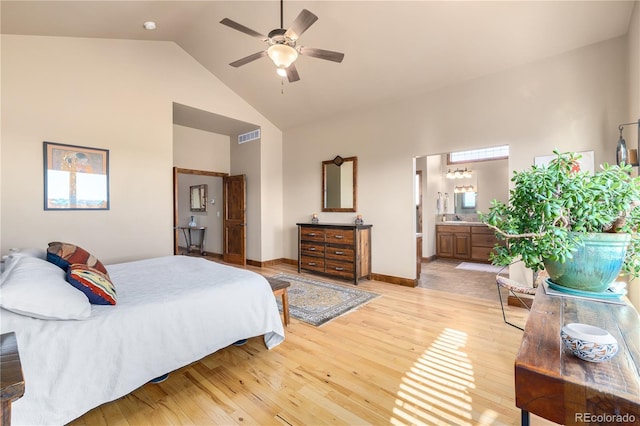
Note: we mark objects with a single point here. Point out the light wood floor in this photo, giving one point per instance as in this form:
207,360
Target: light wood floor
414,356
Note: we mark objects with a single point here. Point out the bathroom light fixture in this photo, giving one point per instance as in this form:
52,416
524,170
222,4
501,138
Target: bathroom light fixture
149,25
622,154
458,174
464,188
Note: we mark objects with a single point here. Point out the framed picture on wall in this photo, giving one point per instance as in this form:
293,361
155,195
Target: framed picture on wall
586,163
75,177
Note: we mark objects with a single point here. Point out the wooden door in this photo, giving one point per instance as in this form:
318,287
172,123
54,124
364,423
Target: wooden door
234,222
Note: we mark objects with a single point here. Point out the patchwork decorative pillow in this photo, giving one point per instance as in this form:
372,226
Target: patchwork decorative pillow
38,289
93,283
65,254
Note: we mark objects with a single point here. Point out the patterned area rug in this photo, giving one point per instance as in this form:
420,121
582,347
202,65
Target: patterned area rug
316,302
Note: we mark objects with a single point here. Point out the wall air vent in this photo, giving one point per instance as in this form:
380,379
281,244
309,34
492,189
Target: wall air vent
248,137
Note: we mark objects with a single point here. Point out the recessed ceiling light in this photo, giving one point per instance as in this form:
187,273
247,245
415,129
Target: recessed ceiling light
149,25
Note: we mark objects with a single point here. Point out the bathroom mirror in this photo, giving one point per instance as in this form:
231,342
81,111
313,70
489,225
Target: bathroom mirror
465,203
198,198
339,184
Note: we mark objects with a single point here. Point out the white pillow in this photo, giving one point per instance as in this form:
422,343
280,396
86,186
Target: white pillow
37,288
8,261
29,251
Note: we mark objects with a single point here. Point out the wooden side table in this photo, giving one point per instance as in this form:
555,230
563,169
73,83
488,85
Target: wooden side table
279,288
11,378
552,383
186,230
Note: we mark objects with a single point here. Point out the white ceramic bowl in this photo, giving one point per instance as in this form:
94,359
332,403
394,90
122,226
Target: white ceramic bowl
588,342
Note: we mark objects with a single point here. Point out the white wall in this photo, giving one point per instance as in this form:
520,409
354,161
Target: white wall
573,101
633,53
111,94
200,150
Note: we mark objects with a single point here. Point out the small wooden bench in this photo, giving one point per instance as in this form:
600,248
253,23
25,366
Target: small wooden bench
11,377
279,288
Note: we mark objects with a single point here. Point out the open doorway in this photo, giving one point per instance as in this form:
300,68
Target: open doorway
208,219
218,225
446,197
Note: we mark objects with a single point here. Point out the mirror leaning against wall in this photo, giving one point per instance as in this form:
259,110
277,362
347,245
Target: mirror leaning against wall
198,200
339,184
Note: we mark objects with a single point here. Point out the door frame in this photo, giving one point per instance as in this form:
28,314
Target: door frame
176,171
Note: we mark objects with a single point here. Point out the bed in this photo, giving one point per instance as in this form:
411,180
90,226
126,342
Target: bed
170,311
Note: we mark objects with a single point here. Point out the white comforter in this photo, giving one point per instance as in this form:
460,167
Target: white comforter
170,312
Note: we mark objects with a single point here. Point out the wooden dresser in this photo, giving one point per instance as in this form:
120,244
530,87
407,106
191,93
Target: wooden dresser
338,250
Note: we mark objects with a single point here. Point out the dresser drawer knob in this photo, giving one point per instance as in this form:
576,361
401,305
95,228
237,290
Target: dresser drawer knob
339,252
339,269
312,263
339,237
311,249
311,234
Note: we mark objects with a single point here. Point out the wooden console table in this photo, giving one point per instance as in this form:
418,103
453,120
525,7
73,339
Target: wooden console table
554,384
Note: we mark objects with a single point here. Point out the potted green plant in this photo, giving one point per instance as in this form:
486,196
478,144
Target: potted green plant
562,219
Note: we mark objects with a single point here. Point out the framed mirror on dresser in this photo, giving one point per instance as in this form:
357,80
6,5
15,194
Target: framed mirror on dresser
339,184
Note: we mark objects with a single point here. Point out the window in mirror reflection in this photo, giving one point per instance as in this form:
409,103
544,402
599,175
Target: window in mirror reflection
198,198
465,202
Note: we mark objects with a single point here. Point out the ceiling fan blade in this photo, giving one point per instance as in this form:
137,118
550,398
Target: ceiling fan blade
304,20
248,59
292,73
322,54
233,24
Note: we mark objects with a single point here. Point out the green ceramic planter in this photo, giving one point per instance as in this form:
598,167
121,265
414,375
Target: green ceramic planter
594,266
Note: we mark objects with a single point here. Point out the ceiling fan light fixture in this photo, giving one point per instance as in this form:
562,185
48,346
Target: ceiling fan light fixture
282,55
282,72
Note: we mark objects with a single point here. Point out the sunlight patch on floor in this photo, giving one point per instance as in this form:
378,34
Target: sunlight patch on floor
434,391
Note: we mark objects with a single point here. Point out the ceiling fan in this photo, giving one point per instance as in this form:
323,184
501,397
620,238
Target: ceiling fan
283,49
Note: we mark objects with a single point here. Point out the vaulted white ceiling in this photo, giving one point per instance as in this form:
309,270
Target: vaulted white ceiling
393,49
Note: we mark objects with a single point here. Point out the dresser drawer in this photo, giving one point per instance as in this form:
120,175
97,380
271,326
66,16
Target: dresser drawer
343,269
312,249
312,234
339,252
340,236
313,263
